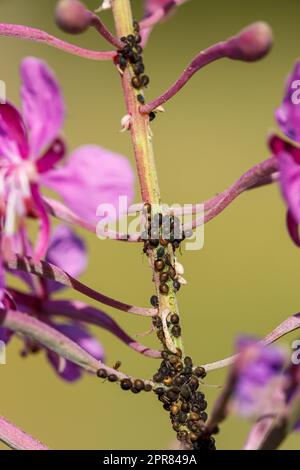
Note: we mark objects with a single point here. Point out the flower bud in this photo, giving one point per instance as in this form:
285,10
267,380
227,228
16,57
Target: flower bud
72,16
250,44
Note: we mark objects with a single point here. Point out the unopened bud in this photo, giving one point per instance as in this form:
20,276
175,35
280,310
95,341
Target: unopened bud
250,44
72,16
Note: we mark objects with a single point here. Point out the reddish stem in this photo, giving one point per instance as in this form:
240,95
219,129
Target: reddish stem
79,311
16,439
215,52
33,34
289,325
49,271
101,28
61,212
250,179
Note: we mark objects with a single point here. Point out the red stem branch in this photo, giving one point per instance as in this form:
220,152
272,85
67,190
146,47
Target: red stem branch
33,34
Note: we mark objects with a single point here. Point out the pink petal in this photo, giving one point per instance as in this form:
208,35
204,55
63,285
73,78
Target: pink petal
92,176
72,372
293,228
66,370
288,114
5,335
44,230
13,138
43,106
278,145
152,5
2,282
290,183
53,155
67,251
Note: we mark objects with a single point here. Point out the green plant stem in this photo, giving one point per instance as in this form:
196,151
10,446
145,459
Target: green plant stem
143,149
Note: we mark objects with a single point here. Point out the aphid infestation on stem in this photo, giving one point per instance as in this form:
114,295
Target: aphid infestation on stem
30,157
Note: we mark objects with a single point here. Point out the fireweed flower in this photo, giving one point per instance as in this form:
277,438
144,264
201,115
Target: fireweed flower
30,148
152,5
259,383
288,154
155,12
263,384
67,251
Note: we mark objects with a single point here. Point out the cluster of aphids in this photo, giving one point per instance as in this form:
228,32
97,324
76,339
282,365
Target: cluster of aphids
131,53
162,230
181,398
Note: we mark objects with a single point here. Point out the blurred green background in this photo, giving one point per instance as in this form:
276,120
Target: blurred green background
246,279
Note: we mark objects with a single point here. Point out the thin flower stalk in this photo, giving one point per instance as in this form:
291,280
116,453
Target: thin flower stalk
36,35
262,174
286,327
61,212
17,439
282,425
54,341
79,311
252,178
51,272
233,48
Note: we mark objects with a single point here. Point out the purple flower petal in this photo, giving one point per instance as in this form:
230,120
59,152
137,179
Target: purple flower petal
54,154
67,251
256,368
44,231
278,145
43,106
152,5
290,183
2,283
293,228
66,369
5,335
288,114
92,176
13,138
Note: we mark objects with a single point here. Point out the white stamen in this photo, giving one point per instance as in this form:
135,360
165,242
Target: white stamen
11,212
2,187
24,183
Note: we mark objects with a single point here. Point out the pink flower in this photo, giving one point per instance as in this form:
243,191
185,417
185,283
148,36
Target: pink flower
67,251
30,149
79,334
152,5
288,154
263,382
259,372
